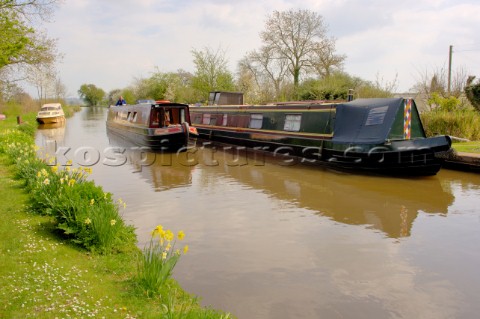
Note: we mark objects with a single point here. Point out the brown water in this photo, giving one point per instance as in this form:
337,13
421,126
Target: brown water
274,241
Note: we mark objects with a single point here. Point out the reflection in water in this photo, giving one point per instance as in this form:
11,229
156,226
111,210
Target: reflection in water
387,204
53,131
278,242
163,171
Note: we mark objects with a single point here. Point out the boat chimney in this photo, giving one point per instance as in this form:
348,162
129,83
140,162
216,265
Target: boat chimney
350,95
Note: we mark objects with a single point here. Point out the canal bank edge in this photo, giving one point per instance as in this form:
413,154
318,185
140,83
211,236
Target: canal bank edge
462,161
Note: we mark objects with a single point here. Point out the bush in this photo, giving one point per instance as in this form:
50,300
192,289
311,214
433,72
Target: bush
462,123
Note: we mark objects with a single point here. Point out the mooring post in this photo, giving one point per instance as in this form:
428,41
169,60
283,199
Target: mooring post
19,120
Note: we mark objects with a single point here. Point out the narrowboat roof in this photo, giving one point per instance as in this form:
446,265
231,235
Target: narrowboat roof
147,106
278,106
366,121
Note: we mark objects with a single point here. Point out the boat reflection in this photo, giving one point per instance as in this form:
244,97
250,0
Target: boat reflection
163,170
389,205
52,132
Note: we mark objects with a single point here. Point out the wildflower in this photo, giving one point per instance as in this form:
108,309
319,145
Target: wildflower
67,168
92,201
164,255
104,195
185,249
157,231
181,235
169,235
46,181
88,221
169,246
71,182
62,180
44,172
69,163
54,168
113,222
39,174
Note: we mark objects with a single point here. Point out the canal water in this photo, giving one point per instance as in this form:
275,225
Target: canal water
273,240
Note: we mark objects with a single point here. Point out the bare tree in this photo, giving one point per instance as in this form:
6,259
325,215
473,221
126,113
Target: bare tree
43,78
437,81
323,60
267,70
300,38
31,9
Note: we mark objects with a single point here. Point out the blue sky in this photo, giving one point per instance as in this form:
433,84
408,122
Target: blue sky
109,43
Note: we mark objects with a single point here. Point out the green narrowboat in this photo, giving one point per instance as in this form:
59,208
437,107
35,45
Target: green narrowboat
381,136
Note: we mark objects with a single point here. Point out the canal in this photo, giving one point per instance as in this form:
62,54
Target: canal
272,240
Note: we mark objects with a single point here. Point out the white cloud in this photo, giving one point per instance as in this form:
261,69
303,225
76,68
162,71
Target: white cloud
108,43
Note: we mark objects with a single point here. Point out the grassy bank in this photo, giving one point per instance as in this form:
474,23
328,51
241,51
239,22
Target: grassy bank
48,272
467,147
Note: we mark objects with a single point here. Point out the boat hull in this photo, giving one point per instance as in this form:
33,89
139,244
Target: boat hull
51,120
146,138
402,158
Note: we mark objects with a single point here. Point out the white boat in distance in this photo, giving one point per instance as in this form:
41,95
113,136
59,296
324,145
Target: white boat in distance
50,113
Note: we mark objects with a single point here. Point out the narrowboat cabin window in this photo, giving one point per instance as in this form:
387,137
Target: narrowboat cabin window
129,117
256,120
292,122
225,118
206,119
134,117
197,119
376,116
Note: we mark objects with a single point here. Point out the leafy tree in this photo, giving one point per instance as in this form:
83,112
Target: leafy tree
472,91
300,39
21,44
91,94
211,72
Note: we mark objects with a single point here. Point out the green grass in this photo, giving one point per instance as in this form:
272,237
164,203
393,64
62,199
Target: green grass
467,147
43,275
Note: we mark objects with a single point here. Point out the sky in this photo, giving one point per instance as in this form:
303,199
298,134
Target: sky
110,43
